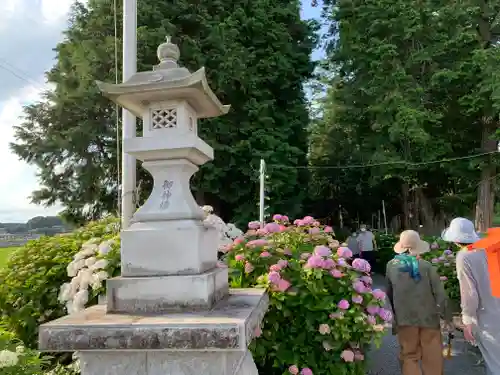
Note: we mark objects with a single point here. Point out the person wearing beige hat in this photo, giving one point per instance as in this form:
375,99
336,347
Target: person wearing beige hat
418,300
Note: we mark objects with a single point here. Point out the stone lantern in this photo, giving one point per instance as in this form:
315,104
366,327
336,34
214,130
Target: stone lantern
170,311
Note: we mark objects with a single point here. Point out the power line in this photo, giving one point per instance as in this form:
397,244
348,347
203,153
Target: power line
8,67
403,163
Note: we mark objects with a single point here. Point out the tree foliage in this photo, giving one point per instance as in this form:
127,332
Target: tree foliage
257,56
414,84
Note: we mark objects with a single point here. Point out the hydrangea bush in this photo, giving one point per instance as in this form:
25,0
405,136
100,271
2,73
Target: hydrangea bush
31,280
16,359
323,311
444,261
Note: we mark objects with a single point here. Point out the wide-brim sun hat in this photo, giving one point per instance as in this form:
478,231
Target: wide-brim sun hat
461,230
410,241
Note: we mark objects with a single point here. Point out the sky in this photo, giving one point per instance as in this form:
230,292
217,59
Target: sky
25,54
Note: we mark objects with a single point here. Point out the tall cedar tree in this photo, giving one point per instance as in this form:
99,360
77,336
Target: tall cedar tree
415,83
257,56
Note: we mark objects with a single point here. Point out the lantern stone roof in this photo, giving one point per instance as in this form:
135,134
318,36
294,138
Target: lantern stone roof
167,81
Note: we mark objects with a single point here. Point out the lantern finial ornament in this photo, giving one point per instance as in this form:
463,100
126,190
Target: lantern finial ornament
168,53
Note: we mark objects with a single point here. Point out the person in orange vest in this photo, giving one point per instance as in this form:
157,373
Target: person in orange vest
477,272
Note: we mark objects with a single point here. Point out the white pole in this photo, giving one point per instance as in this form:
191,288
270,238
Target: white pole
385,217
262,191
128,119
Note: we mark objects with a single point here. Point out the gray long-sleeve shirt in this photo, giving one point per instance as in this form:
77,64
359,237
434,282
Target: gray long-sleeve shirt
477,301
417,303
479,307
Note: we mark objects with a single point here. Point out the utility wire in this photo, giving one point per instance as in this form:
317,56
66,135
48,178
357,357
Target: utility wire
5,66
404,163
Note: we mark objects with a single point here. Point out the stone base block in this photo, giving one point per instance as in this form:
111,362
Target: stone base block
180,247
230,325
167,363
135,295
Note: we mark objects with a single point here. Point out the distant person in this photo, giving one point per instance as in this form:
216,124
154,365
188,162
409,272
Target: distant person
352,243
366,244
418,300
480,309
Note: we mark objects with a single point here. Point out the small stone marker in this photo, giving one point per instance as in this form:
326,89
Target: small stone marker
170,311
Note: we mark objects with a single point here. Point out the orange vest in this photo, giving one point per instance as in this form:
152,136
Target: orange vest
491,245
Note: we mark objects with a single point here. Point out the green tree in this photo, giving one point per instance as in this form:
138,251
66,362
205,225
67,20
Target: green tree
415,84
257,56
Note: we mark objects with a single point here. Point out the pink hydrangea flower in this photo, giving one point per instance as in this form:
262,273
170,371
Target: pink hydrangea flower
336,273
367,280
238,240
358,356
323,251
257,332
386,315
344,252
294,370
343,304
347,355
283,263
299,223
373,309
239,257
324,329
265,254
277,217
315,261
283,285
371,319
443,278
314,230
308,220
434,246
328,263
257,243
342,262
306,371
328,229
435,260
274,277
272,228
359,286
249,267
357,299
254,225
361,265
275,268
378,294
282,228
262,231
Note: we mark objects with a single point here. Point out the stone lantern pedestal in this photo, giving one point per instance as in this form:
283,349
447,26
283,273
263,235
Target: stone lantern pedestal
170,311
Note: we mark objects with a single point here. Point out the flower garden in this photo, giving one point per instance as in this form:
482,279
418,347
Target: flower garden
324,312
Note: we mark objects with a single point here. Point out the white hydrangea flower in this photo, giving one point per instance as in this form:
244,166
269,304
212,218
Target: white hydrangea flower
100,264
80,300
207,209
71,269
90,261
105,247
8,358
65,293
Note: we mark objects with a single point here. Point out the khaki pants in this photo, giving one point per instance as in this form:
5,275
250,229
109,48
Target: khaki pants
420,345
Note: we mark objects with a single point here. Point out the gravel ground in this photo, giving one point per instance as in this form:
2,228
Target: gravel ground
384,360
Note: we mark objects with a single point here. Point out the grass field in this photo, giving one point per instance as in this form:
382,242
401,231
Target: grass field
5,253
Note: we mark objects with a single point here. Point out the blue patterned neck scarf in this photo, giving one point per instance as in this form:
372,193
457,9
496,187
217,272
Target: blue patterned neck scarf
409,264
